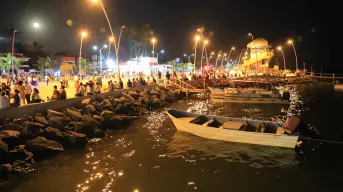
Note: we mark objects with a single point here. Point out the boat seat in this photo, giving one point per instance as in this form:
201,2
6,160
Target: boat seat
280,130
187,119
232,125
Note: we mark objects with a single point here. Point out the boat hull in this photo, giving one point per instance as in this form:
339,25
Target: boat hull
276,140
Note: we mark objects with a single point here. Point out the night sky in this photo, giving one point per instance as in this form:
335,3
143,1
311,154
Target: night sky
175,23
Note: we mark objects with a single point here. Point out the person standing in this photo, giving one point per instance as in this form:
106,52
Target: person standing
28,91
47,80
121,84
129,84
21,90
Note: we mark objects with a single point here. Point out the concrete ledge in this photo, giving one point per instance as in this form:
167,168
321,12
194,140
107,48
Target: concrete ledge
32,109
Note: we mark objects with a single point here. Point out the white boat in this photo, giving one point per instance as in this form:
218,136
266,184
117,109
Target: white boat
233,129
249,95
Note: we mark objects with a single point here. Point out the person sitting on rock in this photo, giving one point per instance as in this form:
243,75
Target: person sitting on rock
82,91
97,88
153,80
129,84
63,93
35,96
56,95
21,90
3,100
168,75
16,99
134,83
90,88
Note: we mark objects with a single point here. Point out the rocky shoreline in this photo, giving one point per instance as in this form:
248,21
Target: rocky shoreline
35,137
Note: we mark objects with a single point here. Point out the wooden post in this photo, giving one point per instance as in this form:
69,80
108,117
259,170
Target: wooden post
321,70
333,77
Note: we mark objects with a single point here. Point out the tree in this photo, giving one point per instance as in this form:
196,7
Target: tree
140,38
85,65
6,62
173,64
43,63
17,64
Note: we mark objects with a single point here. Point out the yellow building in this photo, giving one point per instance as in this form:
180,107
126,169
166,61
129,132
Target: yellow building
262,50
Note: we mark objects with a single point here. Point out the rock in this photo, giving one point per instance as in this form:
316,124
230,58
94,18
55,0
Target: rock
32,130
163,97
41,119
39,146
75,139
11,138
13,127
73,114
107,115
86,101
97,118
19,153
54,113
89,129
98,107
59,122
90,108
19,121
5,170
53,134
3,147
89,119
99,133
20,166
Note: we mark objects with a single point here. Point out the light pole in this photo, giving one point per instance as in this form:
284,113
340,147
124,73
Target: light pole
109,24
109,48
197,38
153,41
202,55
252,37
223,59
232,49
239,58
162,51
100,57
83,34
12,60
189,57
218,56
295,53
284,60
202,36
118,46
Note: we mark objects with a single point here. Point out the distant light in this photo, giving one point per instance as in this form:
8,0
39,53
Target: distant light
290,42
95,1
83,34
212,53
197,38
36,25
233,48
279,48
95,48
184,55
105,46
162,51
193,54
206,42
249,34
136,190
110,64
153,40
111,39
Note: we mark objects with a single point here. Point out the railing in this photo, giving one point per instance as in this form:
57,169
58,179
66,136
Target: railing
324,75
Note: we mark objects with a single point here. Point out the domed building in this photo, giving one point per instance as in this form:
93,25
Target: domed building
258,51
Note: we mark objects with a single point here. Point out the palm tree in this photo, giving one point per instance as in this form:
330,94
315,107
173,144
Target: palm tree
173,64
6,62
140,38
85,65
43,63
17,63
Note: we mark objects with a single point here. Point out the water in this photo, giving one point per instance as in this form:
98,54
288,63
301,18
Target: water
151,156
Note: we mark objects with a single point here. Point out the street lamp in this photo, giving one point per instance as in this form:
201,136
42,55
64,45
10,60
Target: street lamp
252,37
100,57
295,53
202,55
36,25
109,24
117,50
232,49
109,47
153,41
162,51
218,56
197,38
189,57
83,35
284,60
223,59
202,36
239,58
12,60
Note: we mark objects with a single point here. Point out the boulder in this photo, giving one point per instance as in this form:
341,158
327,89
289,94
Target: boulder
54,113
32,130
41,119
91,130
20,166
13,127
19,153
107,115
5,170
97,118
90,108
89,119
19,121
10,137
162,97
59,122
99,133
3,147
86,101
73,114
53,134
41,146
75,139
98,107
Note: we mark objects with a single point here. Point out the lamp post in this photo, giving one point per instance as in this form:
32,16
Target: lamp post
202,55
202,36
223,59
118,46
232,49
83,34
295,53
100,57
109,24
109,48
218,56
284,60
162,51
252,37
239,58
153,41
197,38
189,57
12,60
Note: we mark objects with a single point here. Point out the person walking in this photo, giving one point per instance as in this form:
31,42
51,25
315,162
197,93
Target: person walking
28,91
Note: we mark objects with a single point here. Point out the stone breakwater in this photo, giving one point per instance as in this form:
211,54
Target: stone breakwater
35,137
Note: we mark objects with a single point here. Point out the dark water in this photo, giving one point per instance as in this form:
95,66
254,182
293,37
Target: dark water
151,156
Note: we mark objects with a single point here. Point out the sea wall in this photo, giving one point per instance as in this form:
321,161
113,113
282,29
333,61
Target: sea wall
32,109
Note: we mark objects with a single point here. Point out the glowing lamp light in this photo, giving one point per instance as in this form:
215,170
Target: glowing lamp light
95,48
206,42
290,42
83,34
111,39
95,1
233,48
36,25
232,72
153,40
279,48
110,64
212,53
162,51
184,55
249,34
197,38
105,46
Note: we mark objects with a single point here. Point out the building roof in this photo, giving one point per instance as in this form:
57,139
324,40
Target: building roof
259,42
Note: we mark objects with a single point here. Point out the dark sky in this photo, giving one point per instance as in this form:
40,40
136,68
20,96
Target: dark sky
175,23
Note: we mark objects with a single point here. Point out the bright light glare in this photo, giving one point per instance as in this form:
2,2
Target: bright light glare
110,64
36,25
233,48
95,48
206,42
249,34
162,51
212,53
279,48
197,38
290,42
111,39
83,34
95,1
105,46
153,40
184,55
